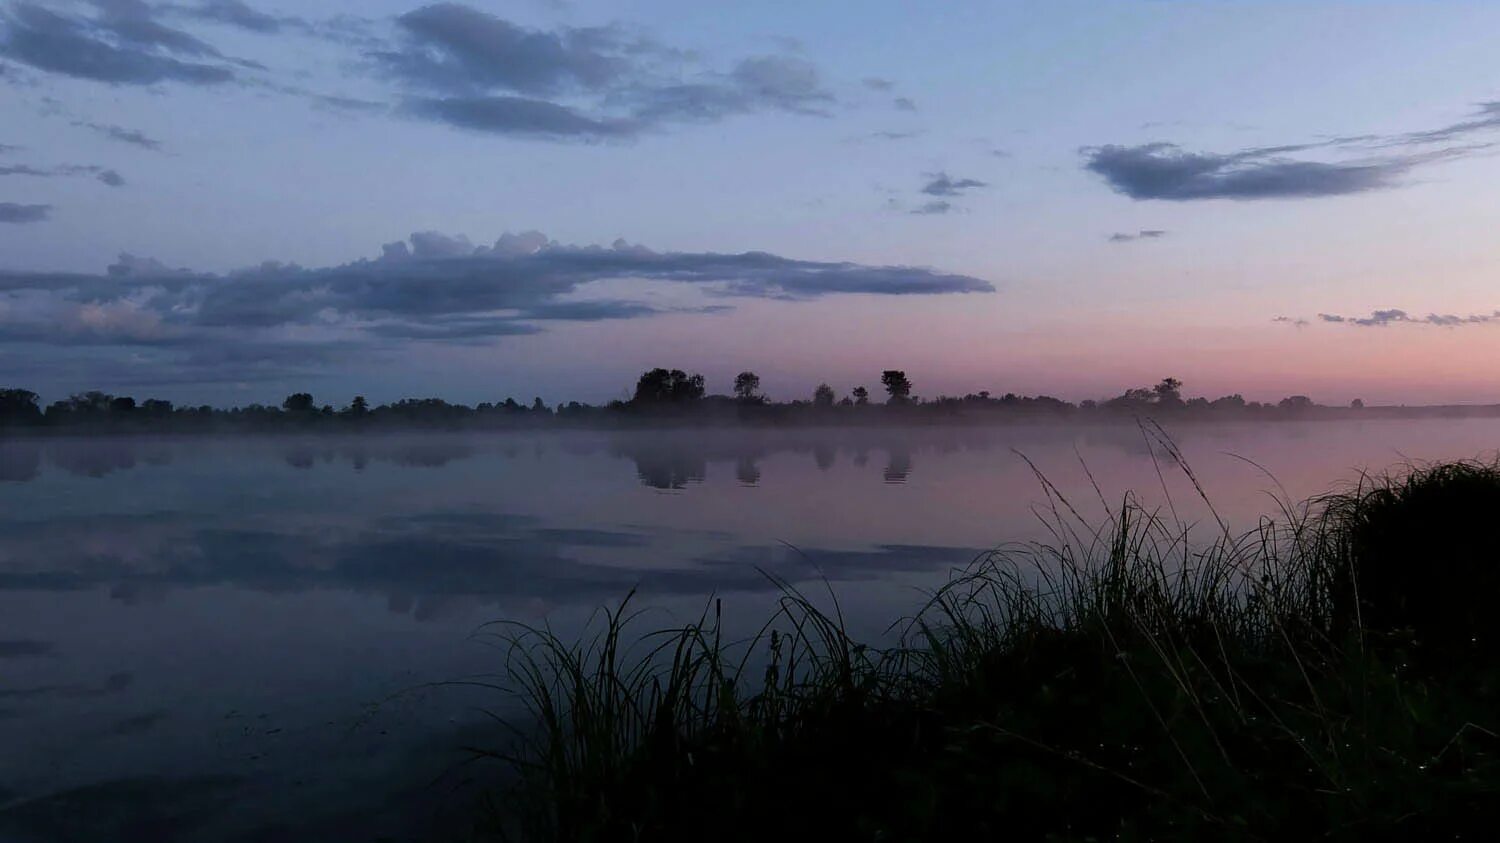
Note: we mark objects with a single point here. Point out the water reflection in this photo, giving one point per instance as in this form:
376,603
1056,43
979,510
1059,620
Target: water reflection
19,461
670,462
420,564
899,466
664,465
747,471
152,588
22,460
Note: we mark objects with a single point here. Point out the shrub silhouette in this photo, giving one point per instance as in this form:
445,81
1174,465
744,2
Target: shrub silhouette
1421,551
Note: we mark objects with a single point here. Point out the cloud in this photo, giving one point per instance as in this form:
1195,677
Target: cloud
1296,322
430,287
452,47
10,212
121,134
477,71
876,83
764,83
937,206
1164,171
941,184
1168,172
1143,234
1382,318
518,116
1486,119
122,44
25,648
103,174
904,104
945,187
238,14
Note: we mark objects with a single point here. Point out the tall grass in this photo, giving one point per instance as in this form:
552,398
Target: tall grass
1140,679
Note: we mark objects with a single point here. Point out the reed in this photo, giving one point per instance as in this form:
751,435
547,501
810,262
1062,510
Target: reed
1329,674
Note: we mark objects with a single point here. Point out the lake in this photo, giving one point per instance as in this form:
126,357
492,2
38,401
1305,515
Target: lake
236,639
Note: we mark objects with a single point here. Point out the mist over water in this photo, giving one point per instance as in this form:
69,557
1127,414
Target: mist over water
210,638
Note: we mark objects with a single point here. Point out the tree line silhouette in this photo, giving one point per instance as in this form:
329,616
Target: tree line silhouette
660,396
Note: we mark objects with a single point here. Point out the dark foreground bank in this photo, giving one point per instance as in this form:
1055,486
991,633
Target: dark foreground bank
1331,674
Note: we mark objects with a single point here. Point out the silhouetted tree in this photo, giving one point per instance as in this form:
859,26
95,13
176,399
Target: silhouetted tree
823,396
1357,404
92,401
1295,402
538,407
861,395
19,406
1133,398
746,385
122,405
661,386
1168,392
359,406
896,385
298,402
156,408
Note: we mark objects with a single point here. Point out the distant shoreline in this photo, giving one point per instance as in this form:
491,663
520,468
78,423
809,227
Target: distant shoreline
674,399
193,422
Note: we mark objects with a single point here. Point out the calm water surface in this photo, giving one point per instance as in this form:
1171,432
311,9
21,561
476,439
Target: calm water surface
211,639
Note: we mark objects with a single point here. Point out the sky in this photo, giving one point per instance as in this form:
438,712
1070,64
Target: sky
216,201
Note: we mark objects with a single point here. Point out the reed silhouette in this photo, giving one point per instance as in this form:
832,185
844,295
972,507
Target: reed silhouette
1329,674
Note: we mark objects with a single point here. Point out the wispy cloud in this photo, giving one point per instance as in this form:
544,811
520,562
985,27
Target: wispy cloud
1392,316
11,212
883,136
1166,171
937,206
477,71
123,43
1143,234
942,184
121,134
103,174
238,14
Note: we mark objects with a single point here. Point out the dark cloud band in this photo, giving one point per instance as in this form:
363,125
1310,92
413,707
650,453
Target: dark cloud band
431,287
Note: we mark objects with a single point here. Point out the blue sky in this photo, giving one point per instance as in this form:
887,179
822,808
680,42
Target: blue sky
1065,197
